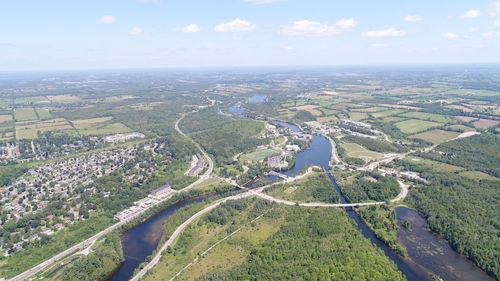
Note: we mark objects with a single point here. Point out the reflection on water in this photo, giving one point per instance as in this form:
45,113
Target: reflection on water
434,253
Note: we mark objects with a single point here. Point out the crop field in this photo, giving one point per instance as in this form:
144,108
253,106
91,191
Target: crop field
327,119
436,136
91,121
429,117
485,123
259,154
460,127
461,107
438,166
412,126
102,129
393,119
5,118
401,106
358,116
29,130
369,109
357,151
465,118
476,175
43,113
386,113
64,99
25,114
310,108
30,100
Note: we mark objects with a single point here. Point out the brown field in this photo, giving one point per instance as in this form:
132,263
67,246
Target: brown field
436,136
63,98
5,118
461,107
310,108
460,127
400,106
485,123
465,118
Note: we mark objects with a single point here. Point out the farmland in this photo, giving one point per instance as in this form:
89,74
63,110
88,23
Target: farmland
429,117
5,118
414,125
258,155
29,130
357,151
436,136
25,114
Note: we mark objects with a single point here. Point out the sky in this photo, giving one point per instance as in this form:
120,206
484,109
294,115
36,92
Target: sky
120,34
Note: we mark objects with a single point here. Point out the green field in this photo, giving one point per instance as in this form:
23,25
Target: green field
386,113
43,113
357,151
358,116
430,117
25,114
412,126
5,118
99,126
436,136
259,154
29,130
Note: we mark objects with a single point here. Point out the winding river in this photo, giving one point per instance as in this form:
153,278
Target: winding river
428,253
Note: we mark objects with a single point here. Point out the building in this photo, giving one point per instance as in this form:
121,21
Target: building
161,191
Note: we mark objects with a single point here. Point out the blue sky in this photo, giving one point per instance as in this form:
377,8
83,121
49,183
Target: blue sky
108,34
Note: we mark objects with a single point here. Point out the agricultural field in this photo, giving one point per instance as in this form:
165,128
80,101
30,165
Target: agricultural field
485,123
99,126
64,99
357,151
387,113
43,113
429,116
461,128
25,114
310,108
466,118
436,136
358,116
30,100
412,126
259,154
5,118
369,109
29,130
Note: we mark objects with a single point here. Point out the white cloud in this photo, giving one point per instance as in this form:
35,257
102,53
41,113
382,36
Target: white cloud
379,45
314,28
190,28
450,35
494,9
413,18
491,34
147,1
497,23
471,14
309,28
347,24
237,25
136,31
471,29
391,32
107,19
262,1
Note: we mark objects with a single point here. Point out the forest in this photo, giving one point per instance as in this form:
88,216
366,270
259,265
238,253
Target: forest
463,211
307,248
368,186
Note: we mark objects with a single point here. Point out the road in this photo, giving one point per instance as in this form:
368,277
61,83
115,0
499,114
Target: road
402,194
178,231
334,151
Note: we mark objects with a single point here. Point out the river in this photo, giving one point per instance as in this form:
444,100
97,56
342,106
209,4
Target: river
428,253
140,241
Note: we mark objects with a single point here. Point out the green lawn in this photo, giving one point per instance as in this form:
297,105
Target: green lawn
259,154
25,114
430,117
436,136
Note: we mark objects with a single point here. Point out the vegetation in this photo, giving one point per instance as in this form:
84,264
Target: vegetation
307,248
313,188
371,186
374,144
412,126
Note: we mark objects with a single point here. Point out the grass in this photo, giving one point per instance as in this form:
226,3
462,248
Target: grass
460,127
99,126
430,117
485,123
412,126
63,98
43,113
210,184
393,119
259,154
476,175
25,114
357,151
369,109
436,136
435,165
